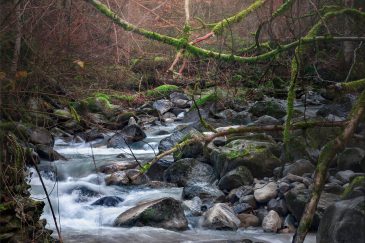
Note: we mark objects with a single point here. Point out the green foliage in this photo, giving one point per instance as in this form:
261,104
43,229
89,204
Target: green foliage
162,91
124,97
74,114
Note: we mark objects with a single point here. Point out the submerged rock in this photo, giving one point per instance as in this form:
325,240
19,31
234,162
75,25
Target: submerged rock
344,221
220,217
108,201
164,213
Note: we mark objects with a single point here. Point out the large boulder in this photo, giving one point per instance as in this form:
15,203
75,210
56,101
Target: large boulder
263,192
257,156
48,153
40,135
188,172
235,178
164,213
129,134
272,222
270,108
343,221
176,137
220,217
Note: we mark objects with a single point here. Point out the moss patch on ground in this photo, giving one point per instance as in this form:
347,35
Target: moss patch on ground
162,91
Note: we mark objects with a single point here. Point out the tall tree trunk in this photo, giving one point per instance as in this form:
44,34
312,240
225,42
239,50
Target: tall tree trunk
328,153
18,39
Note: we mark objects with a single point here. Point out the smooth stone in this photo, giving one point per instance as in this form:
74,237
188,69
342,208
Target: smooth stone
220,217
248,220
272,222
265,192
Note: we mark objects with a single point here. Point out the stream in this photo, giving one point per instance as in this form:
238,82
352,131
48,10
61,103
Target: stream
74,185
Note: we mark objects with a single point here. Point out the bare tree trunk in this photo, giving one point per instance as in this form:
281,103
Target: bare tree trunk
328,152
18,39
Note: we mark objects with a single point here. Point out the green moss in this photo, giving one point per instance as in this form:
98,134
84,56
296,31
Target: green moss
237,154
122,97
162,91
211,97
357,181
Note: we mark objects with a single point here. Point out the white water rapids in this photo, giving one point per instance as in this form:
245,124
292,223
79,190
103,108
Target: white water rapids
74,185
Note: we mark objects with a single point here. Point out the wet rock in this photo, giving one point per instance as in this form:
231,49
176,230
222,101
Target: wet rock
352,159
91,135
48,153
248,220
162,106
156,170
205,192
220,217
290,223
84,193
344,221
270,108
129,134
164,213
299,167
118,178
235,178
193,206
108,201
175,138
257,156
241,208
263,192
278,206
136,178
117,166
160,184
188,172
261,214
272,222
42,136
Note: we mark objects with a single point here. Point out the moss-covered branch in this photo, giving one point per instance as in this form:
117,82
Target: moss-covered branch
327,154
352,86
300,49
183,44
220,26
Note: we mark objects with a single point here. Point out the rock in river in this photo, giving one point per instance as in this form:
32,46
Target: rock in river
220,216
164,213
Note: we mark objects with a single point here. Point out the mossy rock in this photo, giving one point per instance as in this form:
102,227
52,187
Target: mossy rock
162,91
350,191
257,156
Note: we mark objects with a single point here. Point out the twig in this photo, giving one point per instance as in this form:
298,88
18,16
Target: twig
353,62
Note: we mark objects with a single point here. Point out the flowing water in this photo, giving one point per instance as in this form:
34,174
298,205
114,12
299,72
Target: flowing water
74,185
